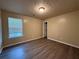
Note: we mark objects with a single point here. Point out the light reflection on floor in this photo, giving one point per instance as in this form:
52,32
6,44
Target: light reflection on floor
14,53
17,52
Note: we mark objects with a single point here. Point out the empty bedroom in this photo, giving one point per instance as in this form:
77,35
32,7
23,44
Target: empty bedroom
39,29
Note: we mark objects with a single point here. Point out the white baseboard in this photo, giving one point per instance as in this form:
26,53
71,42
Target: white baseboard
63,42
21,42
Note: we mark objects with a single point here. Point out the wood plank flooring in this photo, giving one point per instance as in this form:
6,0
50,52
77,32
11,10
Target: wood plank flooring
40,49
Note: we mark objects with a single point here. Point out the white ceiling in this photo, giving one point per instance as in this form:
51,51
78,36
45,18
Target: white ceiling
30,7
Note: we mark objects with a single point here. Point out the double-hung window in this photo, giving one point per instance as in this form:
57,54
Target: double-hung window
15,26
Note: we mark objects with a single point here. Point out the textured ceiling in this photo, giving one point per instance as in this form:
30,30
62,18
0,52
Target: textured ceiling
31,7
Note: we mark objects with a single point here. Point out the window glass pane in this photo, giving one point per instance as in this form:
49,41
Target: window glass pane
15,27
0,31
0,34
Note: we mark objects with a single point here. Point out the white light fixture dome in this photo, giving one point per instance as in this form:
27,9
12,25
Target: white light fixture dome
41,9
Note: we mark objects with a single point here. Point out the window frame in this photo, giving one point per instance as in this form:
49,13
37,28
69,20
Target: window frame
22,28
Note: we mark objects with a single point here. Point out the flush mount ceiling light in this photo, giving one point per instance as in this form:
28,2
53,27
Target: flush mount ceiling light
41,9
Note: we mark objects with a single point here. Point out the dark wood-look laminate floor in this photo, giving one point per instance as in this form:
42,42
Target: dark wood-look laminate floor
40,49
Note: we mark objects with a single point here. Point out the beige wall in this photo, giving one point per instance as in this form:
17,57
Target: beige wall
32,28
65,28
